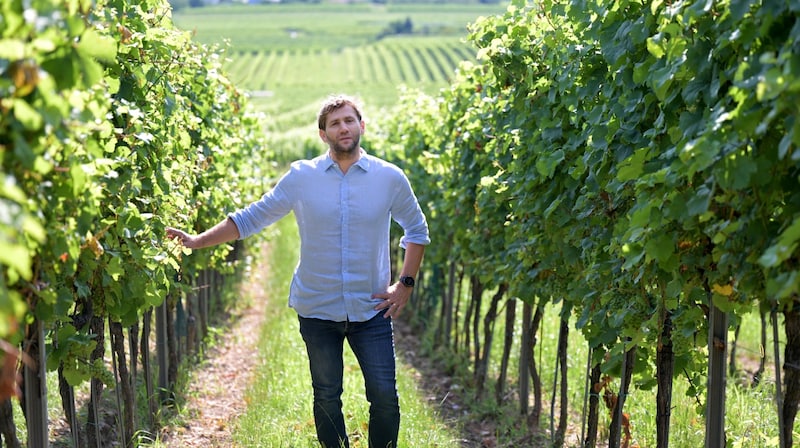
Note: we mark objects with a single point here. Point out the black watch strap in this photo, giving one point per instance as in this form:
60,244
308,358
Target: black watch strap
407,280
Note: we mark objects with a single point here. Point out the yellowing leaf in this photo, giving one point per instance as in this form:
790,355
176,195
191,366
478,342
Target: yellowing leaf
723,290
93,244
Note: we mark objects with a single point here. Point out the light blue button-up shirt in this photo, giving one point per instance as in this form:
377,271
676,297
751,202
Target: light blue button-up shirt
344,222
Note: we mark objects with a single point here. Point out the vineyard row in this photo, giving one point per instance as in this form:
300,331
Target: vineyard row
635,163
391,62
114,125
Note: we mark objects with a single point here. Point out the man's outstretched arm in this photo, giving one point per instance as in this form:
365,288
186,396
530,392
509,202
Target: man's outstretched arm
221,233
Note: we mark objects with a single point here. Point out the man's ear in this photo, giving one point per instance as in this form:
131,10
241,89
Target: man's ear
323,136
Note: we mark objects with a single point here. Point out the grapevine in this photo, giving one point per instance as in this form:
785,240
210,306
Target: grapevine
633,161
114,125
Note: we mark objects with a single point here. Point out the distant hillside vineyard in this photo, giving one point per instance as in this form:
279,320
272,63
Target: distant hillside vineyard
289,56
388,62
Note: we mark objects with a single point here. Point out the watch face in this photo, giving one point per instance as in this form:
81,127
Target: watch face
408,281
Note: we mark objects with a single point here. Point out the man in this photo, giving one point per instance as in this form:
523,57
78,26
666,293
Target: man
343,202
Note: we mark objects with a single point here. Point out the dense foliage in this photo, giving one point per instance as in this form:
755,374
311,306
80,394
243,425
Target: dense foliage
636,160
114,125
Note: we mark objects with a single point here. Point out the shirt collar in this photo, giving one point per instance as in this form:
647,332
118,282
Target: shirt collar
362,162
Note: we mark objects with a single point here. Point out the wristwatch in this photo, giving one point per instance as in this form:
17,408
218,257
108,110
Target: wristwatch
407,280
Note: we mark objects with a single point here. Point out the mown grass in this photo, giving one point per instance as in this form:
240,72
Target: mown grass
279,412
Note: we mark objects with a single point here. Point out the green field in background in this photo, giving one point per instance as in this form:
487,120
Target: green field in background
332,26
290,56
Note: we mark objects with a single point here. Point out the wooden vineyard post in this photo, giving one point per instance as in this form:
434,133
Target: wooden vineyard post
181,329
147,371
161,350
205,292
67,393
525,353
665,368
191,333
593,419
133,338
587,387
36,389
620,425
778,382
560,373
715,398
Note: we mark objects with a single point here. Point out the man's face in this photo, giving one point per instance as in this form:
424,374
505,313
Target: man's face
343,130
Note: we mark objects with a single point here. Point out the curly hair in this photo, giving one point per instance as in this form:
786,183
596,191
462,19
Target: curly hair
336,102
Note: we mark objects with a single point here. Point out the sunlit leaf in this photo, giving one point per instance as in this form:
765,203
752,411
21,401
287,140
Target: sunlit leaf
98,46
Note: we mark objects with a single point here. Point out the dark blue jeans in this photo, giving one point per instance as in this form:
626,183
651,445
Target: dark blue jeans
373,345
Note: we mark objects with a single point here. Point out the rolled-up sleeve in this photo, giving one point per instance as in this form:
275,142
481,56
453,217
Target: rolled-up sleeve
407,212
273,206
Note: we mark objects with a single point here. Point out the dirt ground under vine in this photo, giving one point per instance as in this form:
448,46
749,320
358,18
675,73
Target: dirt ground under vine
215,393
